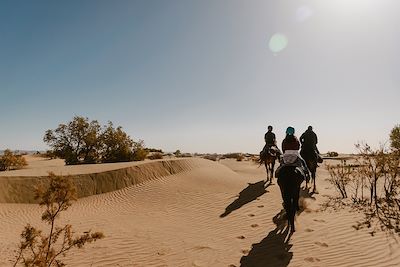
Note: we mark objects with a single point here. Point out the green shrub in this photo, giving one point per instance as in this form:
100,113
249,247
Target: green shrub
83,141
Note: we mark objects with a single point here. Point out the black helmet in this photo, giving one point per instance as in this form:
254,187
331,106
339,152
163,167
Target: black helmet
269,128
310,128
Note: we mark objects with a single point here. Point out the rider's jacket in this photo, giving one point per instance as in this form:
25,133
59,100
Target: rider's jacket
290,143
269,138
309,139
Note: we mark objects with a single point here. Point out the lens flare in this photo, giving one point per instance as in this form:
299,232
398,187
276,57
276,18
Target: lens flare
278,42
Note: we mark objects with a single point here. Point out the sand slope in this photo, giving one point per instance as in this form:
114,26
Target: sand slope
210,214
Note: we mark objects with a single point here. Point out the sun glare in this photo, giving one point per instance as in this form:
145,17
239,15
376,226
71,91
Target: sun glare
353,6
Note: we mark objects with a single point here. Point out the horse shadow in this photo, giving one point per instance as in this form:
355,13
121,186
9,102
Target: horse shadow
306,193
274,249
247,195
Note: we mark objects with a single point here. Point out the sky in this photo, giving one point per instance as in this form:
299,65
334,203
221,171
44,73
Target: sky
201,76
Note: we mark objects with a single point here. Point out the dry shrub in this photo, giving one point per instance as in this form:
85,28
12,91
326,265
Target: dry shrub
156,155
332,154
11,161
213,157
377,171
340,176
39,249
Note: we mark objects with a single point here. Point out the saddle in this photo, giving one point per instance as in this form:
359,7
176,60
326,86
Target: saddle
268,150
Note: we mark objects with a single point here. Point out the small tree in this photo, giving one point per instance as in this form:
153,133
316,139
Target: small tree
139,152
38,249
177,153
117,145
395,138
84,141
76,142
11,161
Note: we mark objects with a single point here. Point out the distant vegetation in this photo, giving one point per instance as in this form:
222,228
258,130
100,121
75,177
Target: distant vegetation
39,250
372,183
82,141
156,155
332,154
11,161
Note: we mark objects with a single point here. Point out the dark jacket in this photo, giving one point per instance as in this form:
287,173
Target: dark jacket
270,138
290,143
309,139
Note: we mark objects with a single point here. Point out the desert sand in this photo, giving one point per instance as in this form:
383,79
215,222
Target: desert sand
192,212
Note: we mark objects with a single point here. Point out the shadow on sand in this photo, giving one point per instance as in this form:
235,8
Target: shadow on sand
273,250
306,193
250,193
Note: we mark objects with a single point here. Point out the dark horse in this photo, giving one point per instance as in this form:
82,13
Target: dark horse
289,181
311,158
268,156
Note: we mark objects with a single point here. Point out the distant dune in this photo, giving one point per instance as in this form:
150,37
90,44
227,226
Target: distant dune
193,212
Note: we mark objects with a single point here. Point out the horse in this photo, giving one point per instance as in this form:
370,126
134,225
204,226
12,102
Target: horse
289,181
311,158
268,157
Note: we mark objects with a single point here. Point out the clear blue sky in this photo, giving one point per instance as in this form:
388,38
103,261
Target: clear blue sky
201,76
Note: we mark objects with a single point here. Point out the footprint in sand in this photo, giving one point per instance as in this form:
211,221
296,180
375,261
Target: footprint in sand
308,230
231,265
245,251
323,221
312,259
254,225
251,215
241,237
321,244
261,206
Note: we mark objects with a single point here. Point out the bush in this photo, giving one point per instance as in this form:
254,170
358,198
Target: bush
38,249
377,171
213,157
139,152
156,155
332,154
117,145
83,141
76,142
395,138
237,156
11,161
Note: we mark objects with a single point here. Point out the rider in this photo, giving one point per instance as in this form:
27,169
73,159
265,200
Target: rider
291,156
309,140
270,140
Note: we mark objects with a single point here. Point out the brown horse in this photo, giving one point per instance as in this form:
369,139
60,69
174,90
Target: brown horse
268,157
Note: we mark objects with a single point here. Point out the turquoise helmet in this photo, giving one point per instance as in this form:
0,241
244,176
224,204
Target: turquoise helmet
290,131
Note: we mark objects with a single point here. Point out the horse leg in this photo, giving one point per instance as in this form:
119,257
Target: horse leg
290,211
267,170
313,177
272,170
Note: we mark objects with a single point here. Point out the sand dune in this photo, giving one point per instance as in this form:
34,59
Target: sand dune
206,214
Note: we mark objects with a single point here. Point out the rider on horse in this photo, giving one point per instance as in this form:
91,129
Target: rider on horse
270,142
309,141
291,156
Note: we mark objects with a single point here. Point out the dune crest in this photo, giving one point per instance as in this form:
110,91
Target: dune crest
19,186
